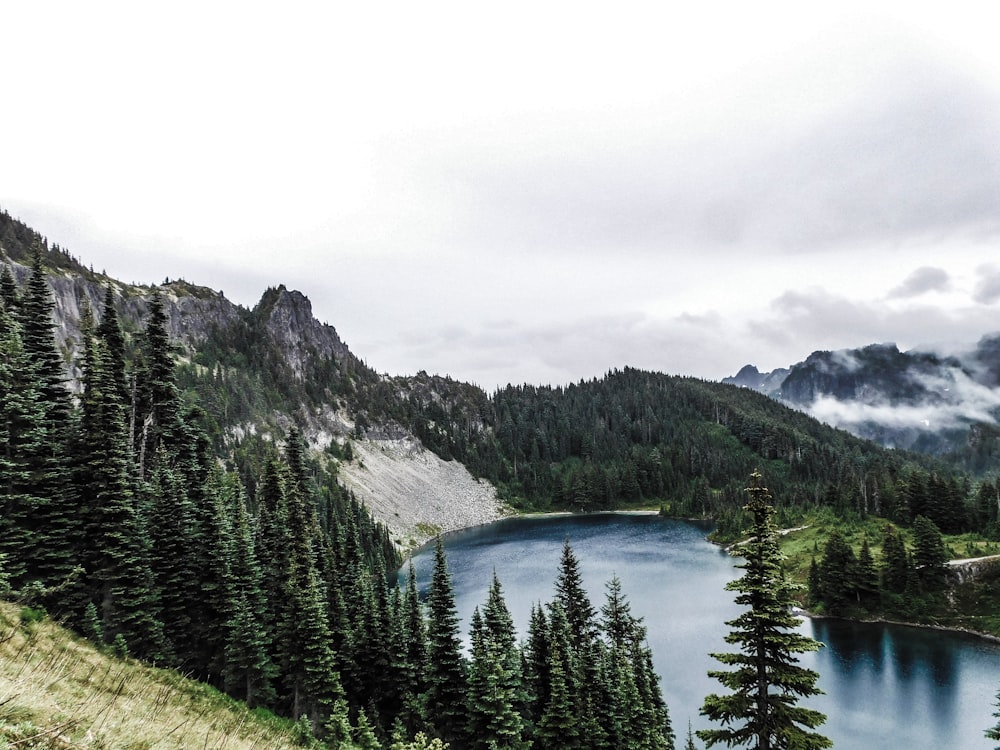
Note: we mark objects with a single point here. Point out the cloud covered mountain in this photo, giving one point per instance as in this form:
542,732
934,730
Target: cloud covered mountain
917,399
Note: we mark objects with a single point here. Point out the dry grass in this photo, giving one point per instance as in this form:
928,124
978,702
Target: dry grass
58,691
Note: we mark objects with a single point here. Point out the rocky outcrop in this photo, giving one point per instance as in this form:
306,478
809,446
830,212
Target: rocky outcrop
410,489
288,318
961,572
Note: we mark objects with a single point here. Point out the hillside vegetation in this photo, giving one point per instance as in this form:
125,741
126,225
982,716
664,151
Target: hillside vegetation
60,691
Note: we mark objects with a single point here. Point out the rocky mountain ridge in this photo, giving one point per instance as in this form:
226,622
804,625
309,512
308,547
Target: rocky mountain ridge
921,400
407,487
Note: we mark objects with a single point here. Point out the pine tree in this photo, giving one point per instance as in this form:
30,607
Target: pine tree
559,724
495,677
9,297
22,437
689,744
993,733
838,575
895,562
571,594
110,331
55,533
867,580
248,667
445,669
157,420
116,554
414,633
766,680
929,555
535,658
171,521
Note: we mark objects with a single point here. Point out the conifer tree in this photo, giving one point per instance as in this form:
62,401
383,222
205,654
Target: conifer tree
571,594
170,520
689,744
895,562
308,666
22,436
838,575
559,724
248,667
766,680
993,733
414,633
929,556
495,677
110,331
116,553
535,658
55,533
867,581
8,290
157,419
445,669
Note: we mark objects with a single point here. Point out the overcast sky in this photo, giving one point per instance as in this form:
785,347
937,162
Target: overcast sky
528,192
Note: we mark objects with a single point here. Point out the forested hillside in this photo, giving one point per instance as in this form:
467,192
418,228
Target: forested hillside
118,519
635,437
172,489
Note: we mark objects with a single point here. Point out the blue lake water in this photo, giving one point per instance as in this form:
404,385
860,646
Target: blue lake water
885,686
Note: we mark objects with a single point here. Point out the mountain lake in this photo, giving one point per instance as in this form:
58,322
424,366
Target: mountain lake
884,686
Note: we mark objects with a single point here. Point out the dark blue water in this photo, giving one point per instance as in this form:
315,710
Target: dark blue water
886,686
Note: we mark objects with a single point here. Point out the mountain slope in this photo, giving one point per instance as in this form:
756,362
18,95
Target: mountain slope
256,372
59,691
629,437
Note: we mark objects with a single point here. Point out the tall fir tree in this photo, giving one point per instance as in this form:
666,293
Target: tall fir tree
495,689
895,562
22,437
993,733
558,725
9,297
55,531
572,595
156,417
929,555
766,680
445,673
248,672
838,574
414,632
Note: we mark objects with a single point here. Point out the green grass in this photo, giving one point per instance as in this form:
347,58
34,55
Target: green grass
59,691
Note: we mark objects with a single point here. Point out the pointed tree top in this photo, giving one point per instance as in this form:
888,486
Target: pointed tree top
760,496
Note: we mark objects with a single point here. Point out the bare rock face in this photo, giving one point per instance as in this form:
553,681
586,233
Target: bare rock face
405,486
303,339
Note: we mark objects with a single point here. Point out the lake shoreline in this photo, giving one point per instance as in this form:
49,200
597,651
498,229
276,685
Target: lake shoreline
801,612
989,637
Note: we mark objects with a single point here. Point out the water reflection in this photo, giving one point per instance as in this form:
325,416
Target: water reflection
886,686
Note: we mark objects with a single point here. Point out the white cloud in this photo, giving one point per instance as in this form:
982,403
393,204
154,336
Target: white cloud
684,189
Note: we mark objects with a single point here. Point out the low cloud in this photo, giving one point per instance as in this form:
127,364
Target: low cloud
923,280
987,286
956,402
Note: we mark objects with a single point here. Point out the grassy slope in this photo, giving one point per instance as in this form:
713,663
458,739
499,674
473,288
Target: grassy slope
58,691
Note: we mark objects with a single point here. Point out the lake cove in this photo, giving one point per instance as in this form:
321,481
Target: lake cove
886,686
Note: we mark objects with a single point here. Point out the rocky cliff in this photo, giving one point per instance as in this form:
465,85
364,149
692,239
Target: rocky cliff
320,385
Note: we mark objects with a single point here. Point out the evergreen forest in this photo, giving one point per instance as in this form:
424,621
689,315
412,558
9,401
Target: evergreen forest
118,520
135,512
